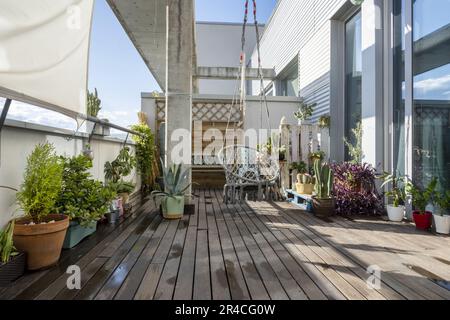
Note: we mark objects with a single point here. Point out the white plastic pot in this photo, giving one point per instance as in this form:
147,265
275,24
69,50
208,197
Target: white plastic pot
442,224
396,214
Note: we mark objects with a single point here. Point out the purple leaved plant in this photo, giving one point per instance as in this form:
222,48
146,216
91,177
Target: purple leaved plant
355,191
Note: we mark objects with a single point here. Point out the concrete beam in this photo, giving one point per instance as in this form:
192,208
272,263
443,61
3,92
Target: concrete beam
229,73
179,71
144,21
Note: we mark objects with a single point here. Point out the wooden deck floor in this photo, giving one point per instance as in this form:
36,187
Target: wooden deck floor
257,250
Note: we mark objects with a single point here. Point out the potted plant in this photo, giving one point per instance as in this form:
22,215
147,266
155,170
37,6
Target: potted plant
121,167
172,199
396,196
323,201
421,197
305,184
324,122
92,109
83,199
124,189
319,155
40,234
12,262
305,112
87,151
441,216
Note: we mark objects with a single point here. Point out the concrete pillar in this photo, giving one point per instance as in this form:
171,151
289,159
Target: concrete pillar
372,82
179,72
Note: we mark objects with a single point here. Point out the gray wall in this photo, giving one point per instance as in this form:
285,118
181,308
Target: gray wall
302,27
18,139
219,45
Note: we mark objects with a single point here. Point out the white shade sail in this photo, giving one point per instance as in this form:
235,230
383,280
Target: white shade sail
44,50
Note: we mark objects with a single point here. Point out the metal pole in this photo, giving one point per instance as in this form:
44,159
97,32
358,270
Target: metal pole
4,113
108,124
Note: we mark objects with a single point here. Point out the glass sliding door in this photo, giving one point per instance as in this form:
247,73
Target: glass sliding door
399,87
353,76
431,96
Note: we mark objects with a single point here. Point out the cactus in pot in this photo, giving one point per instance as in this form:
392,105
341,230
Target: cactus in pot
323,201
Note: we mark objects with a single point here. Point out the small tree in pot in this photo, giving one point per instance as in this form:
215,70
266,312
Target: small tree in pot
172,199
421,197
323,200
441,215
41,233
396,196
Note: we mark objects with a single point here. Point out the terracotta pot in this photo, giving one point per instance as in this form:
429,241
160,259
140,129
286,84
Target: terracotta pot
324,207
422,221
41,242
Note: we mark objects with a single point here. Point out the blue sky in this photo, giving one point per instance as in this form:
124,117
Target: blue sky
117,70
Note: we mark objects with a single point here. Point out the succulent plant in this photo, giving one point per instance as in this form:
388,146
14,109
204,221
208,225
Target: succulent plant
324,180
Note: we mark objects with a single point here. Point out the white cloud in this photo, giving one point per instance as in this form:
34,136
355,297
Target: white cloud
434,84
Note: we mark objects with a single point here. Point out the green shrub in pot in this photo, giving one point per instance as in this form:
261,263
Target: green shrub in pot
420,198
396,196
41,233
172,199
83,199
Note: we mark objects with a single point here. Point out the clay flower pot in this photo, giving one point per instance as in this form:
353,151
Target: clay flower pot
41,242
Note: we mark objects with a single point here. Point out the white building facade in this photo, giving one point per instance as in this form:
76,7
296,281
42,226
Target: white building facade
384,63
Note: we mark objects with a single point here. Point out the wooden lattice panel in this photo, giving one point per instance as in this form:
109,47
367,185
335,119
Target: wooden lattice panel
206,111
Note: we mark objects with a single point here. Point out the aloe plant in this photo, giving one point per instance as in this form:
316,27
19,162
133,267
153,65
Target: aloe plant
324,180
7,249
175,182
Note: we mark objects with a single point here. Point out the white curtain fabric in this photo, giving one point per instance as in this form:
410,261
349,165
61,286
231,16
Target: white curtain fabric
44,50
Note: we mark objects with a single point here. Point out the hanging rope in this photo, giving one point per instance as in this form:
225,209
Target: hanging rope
240,75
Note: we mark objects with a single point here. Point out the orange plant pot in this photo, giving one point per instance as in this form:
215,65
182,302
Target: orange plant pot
41,242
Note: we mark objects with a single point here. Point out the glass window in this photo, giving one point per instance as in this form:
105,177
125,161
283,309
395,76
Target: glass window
431,68
353,75
399,87
289,84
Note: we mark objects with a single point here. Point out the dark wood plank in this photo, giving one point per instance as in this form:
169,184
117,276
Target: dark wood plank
94,286
236,281
87,275
184,285
253,279
135,277
166,285
146,290
119,275
219,282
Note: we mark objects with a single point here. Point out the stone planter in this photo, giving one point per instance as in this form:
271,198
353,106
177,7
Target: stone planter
76,233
